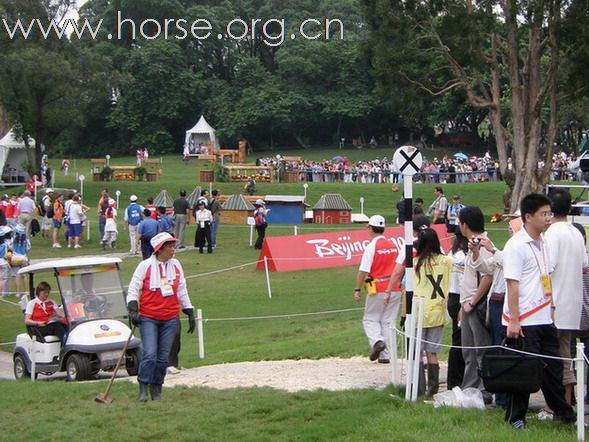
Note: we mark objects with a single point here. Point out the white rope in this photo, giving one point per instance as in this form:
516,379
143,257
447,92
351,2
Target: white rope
200,275
7,343
486,347
294,315
9,302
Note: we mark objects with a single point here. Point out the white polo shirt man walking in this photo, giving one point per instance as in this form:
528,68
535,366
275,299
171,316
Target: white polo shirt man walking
381,307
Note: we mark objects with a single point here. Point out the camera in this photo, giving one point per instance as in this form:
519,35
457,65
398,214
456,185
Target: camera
476,241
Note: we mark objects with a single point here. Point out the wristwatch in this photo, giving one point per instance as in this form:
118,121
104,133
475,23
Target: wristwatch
494,250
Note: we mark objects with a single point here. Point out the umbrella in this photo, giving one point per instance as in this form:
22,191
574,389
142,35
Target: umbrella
460,156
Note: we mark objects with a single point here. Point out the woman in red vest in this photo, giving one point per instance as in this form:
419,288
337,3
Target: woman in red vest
44,315
156,293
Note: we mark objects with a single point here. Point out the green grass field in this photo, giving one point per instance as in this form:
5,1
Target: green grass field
48,410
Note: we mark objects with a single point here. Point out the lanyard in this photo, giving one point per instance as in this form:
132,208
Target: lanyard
543,259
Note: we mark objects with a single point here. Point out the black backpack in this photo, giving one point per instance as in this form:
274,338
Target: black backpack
35,227
50,212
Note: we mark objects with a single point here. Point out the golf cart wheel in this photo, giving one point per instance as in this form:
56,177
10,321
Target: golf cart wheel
132,362
20,368
77,367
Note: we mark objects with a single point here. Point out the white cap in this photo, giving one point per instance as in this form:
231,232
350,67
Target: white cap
376,221
133,198
49,190
160,239
260,202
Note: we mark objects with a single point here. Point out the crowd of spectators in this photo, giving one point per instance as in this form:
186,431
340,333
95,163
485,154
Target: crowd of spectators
459,168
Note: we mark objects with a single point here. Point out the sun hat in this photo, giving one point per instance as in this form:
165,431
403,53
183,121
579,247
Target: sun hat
49,190
133,198
160,239
376,221
259,202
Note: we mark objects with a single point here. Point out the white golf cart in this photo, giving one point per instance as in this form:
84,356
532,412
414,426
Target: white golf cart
93,300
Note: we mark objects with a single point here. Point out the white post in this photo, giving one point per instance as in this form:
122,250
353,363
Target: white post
410,347
88,230
305,186
580,365
395,378
199,331
362,205
418,314
251,235
210,188
53,178
33,358
118,194
267,277
296,230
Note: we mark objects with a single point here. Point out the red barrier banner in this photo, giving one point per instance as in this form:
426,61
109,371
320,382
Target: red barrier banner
333,249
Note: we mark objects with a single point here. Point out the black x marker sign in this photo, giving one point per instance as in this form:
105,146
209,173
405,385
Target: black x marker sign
437,290
409,161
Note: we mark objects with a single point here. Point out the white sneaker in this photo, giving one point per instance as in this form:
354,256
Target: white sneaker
77,246
69,246
57,245
545,415
173,370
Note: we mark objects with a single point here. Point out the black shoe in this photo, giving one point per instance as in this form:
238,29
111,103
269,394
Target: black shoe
143,395
377,348
200,251
518,425
182,247
209,251
156,392
487,397
384,361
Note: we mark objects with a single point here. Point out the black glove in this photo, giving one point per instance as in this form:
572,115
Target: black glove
191,320
133,308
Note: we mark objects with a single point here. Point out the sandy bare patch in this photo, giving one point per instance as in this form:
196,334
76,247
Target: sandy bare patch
334,374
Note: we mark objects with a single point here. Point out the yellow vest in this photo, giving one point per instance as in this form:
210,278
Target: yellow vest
433,284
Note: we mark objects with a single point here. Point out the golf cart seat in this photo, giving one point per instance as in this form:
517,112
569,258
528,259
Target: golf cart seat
34,332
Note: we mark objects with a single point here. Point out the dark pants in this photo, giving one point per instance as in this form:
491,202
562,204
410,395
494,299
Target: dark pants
261,235
175,350
146,249
55,329
542,339
497,335
455,359
101,224
202,234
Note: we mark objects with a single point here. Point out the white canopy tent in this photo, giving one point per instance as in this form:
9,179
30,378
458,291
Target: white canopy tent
201,133
13,153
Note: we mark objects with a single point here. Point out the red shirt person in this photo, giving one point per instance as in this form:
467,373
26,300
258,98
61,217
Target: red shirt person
43,315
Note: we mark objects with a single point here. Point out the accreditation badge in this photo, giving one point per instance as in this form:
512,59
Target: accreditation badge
167,290
546,285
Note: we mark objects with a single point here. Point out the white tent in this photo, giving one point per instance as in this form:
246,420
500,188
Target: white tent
13,154
201,133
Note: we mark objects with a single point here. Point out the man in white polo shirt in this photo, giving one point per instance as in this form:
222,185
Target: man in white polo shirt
568,258
528,307
381,307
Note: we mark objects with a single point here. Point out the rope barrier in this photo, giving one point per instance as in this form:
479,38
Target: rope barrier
7,343
200,275
294,315
485,347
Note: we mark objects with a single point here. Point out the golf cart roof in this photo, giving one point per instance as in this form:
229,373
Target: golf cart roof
68,263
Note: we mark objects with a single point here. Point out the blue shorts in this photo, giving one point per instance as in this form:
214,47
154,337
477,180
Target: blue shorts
56,224
75,230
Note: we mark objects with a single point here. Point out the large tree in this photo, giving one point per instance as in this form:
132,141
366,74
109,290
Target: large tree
504,54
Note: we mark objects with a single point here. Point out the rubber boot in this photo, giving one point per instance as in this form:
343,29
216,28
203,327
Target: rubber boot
156,392
143,394
421,380
433,379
